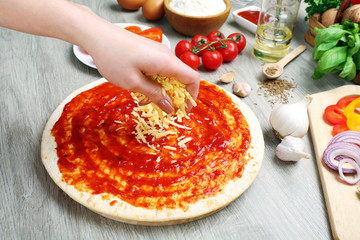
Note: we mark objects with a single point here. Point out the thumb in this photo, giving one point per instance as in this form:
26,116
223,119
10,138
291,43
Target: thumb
154,93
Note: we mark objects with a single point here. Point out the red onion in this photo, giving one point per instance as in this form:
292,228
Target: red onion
336,149
356,167
345,147
349,136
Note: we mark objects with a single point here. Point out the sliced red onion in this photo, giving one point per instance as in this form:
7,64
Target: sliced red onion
356,168
336,149
349,136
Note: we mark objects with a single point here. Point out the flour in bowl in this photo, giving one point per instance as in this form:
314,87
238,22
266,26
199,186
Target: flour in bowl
198,8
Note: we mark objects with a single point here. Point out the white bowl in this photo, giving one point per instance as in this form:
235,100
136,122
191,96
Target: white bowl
246,24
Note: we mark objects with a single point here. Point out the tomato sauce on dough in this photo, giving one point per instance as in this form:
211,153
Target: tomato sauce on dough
98,152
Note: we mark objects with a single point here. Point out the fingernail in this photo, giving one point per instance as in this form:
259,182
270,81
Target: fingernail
189,106
165,105
144,102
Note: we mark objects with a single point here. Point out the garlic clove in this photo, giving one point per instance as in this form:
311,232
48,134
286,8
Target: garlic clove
242,89
227,77
291,119
291,149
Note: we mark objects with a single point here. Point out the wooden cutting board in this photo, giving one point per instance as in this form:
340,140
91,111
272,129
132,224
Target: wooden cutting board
342,200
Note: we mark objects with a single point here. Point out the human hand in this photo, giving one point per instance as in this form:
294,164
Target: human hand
125,59
122,57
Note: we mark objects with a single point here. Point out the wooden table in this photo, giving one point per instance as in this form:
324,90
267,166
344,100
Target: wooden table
285,201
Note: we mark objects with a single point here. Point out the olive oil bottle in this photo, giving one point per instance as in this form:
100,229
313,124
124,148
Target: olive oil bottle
275,29
272,43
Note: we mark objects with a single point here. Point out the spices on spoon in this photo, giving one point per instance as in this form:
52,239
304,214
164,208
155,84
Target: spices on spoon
271,70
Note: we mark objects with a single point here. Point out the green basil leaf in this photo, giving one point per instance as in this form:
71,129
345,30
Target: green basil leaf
350,26
322,48
332,58
354,49
327,35
356,58
317,74
349,70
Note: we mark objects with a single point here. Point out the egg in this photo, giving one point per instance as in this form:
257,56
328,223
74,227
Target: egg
130,4
153,9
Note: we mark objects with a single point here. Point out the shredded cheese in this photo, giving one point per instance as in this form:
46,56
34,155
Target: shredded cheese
152,121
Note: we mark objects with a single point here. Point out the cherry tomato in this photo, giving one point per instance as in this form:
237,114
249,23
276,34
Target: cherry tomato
228,50
200,41
190,59
212,59
215,36
134,29
182,46
239,39
154,33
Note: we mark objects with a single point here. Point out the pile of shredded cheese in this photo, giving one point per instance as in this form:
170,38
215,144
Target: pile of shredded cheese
151,120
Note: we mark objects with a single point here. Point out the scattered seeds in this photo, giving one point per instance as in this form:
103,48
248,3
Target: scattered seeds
278,90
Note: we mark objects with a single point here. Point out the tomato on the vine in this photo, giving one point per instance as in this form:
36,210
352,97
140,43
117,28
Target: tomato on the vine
228,50
190,59
215,36
200,41
182,46
239,39
212,59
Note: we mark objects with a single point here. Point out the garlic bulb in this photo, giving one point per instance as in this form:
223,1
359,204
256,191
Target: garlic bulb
242,89
291,149
291,119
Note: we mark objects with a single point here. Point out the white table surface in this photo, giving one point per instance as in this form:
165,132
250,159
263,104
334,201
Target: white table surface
36,73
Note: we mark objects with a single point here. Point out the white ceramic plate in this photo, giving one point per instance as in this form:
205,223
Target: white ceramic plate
85,58
242,21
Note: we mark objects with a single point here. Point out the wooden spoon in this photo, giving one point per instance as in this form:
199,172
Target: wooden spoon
274,70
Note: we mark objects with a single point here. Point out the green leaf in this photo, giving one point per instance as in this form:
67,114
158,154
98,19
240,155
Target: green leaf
322,48
356,46
317,74
349,70
352,27
332,58
327,35
356,58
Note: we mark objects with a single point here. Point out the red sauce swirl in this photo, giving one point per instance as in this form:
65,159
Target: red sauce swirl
100,156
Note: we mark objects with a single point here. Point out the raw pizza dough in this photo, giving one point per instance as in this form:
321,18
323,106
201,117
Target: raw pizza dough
123,211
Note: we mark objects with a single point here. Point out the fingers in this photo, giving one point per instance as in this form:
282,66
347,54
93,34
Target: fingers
185,74
154,93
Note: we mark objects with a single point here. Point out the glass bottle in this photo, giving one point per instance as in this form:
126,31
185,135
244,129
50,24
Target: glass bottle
275,29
